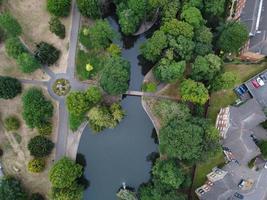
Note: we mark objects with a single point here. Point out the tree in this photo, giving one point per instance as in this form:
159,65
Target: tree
11,188
11,123
77,103
170,9
263,148
168,172
128,21
182,46
37,110
59,8
89,8
93,95
192,16
56,27
117,112
167,110
206,68
169,70
40,146
74,192
114,50
36,196
115,75
194,92
10,25
181,139
153,47
45,128
36,165
46,53
14,47
125,194
227,80
233,36
9,87
64,173
215,9
27,63
203,41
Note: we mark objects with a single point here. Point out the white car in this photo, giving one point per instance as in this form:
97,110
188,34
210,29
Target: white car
1,171
260,81
265,165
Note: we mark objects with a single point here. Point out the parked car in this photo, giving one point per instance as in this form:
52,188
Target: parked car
255,84
241,184
243,88
260,81
263,77
201,191
238,91
209,183
265,165
254,138
238,195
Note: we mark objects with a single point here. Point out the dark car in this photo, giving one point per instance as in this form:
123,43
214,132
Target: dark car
239,91
243,88
238,195
254,139
263,77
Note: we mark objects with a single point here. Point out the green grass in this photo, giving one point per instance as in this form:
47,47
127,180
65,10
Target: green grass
96,59
224,98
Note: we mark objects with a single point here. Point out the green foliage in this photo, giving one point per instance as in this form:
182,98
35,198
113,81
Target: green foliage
181,139
153,47
46,53
37,110
73,192
128,21
59,8
227,80
169,70
14,47
263,147
11,189
10,25
98,36
114,50
194,92
27,63
11,123
9,87
264,124
203,41
125,194
75,121
40,146
182,46
168,172
215,9
115,76
89,8
192,16
56,27
206,68
117,112
45,128
232,37
36,196
36,165
64,173
170,9
149,87
167,110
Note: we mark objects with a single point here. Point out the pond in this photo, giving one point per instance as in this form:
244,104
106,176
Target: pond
120,155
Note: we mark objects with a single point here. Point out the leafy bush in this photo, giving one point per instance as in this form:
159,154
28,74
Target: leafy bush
36,165
75,121
11,189
73,192
10,25
224,81
14,47
59,8
9,87
40,147
263,147
45,128
27,63
56,27
125,194
11,123
89,8
114,50
36,109
36,196
149,87
46,53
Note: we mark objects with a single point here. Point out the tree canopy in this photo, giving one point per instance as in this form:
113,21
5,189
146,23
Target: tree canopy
56,27
192,16
9,87
89,8
46,53
27,63
73,192
14,47
59,8
227,80
10,25
39,146
11,189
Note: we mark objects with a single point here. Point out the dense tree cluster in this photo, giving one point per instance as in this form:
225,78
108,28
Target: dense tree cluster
11,188
10,25
39,146
89,8
46,53
14,47
59,8
56,27
11,123
9,87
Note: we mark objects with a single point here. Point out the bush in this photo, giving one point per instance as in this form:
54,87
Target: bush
89,8
40,147
56,27
59,8
263,147
27,63
75,121
149,87
11,189
36,196
114,50
45,128
36,165
9,87
73,192
10,25
14,47
46,53
264,124
11,123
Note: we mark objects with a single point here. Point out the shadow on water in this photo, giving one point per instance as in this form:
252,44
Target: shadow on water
81,160
154,136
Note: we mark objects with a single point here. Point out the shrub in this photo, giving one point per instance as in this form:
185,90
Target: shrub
149,87
56,27
9,87
73,192
36,196
11,123
263,147
114,50
75,121
45,128
46,53
14,47
89,8
27,63
36,165
10,25
39,146
11,189
59,8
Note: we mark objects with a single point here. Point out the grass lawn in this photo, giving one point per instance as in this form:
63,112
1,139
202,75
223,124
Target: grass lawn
224,98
